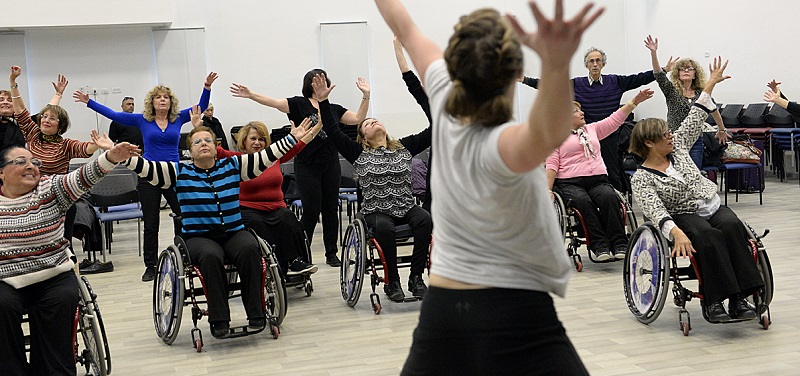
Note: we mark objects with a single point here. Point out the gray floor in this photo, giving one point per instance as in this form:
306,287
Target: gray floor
323,336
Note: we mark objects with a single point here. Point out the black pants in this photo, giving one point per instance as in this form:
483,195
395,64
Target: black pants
69,221
150,198
588,194
51,306
490,332
723,252
318,184
281,229
382,226
609,150
211,255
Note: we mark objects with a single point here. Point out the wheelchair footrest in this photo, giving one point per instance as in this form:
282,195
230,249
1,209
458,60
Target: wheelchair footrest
242,331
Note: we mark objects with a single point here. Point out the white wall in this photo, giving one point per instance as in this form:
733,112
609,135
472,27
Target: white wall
269,46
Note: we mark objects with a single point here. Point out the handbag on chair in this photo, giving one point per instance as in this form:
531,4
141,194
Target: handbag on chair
741,150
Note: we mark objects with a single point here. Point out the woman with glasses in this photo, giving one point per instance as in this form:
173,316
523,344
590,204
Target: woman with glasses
160,124
685,205
36,273
211,223
684,85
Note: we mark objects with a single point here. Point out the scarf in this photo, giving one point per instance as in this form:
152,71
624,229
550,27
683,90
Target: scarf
52,138
583,139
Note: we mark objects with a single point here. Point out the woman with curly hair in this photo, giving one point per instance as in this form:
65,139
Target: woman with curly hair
498,252
160,124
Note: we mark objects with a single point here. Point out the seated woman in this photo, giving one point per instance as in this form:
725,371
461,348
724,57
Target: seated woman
577,170
383,168
263,208
211,222
36,273
685,205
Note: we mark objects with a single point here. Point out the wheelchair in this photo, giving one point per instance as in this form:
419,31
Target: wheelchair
647,274
576,233
175,288
91,347
358,239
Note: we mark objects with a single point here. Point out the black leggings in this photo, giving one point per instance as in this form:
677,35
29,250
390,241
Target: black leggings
211,254
318,184
279,228
150,198
383,228
490,332
51,306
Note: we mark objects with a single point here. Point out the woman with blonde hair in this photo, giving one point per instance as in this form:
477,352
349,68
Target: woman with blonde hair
498,252
160,123
263,208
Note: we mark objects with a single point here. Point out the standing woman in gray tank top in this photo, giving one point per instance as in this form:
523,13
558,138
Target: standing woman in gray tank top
498,253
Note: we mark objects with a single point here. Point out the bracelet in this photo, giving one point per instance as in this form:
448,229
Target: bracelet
722,130
16,97
364,98
632,104
59,94
15,86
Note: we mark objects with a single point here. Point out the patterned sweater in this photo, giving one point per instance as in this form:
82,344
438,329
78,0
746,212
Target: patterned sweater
55,156
32,244
660,195
384,175
678,105
209,198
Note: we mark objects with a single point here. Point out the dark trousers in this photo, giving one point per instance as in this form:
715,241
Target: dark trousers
319,191
211,255
726,262
69,221
588,194
51,307
279,228
383,228
150,198
609,150
490,332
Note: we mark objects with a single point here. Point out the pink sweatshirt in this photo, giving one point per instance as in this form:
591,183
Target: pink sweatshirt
569,161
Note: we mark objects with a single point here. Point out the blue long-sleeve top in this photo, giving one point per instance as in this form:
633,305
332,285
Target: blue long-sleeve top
159,145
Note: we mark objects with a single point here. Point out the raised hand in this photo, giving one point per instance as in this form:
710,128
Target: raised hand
103,142
196,115
305,132
362,85
16,71
241,91
774,85
717,69
772,96
321,89
61,84
651,44
80,96
642,96
556,39
212,76
122,152
671,63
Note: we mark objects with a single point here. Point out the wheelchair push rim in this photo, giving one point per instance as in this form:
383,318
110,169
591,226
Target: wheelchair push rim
646,273
95,357
275,300
168,294
351,272
764,294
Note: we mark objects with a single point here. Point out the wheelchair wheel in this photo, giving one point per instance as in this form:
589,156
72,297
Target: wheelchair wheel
628,217
95,355
275,303
351,272
168,294
561,214
646,273
763,297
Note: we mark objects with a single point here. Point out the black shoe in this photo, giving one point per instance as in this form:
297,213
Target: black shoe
715,313
256,324
395,291
417,286
298,266
98,267
85,264
602,255
220,329
333,261
740,308
149,274
619,252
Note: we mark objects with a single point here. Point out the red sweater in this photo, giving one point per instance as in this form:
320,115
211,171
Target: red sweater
264,192
55,156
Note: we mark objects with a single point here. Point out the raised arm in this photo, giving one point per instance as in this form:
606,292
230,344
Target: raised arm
205,97
412,81
525,147
254,164
421,49
400,56
652,45
349,149
610,124
16,98
159,174
353,118
120,117
241,91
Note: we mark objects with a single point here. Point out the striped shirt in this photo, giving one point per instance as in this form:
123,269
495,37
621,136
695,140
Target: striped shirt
55,156
209,198
32,244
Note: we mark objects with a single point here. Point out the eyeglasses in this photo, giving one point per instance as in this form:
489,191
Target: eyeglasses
687,69
667,134
127,98
207,140
51,118
22,161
